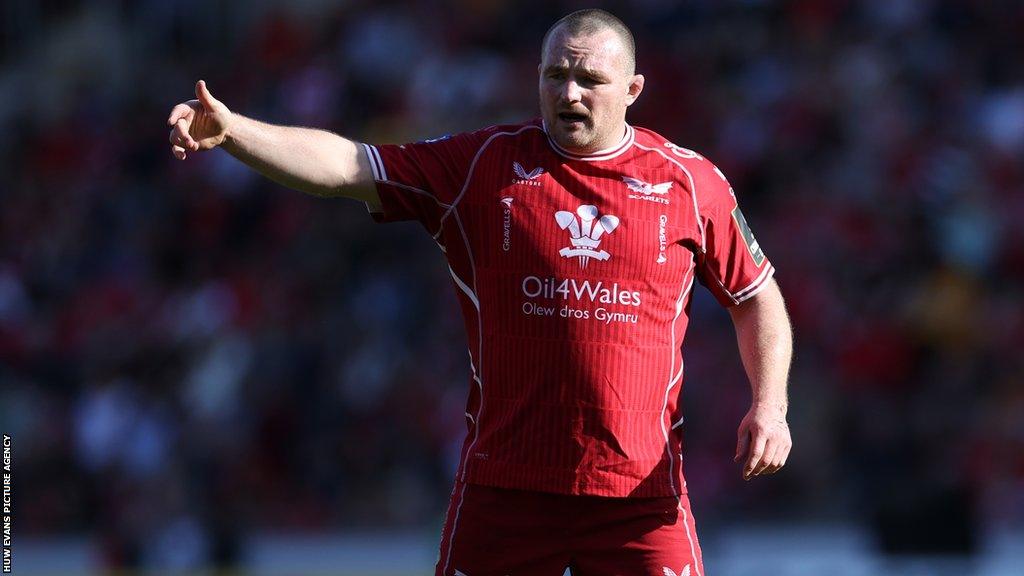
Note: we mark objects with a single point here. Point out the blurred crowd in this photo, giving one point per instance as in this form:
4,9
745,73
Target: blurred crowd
189,353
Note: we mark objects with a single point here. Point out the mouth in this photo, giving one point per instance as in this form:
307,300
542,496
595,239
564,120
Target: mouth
572,117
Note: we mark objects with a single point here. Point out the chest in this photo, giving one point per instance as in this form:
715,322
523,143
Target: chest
552,217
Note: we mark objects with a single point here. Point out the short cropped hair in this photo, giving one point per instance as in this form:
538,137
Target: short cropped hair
591,21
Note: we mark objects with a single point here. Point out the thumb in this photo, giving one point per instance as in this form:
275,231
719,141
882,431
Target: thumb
204,96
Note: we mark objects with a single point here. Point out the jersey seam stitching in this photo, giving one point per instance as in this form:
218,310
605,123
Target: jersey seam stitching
472,165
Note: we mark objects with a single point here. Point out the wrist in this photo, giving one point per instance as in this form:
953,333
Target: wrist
772,405
230,130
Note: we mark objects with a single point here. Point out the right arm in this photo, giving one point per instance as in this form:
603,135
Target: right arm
313,161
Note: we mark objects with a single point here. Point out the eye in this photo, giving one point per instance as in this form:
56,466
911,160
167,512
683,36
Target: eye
557,75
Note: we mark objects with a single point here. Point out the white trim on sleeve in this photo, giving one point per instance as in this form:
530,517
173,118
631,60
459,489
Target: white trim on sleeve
755,286
376,164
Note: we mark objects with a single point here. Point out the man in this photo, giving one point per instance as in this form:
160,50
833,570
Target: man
573,242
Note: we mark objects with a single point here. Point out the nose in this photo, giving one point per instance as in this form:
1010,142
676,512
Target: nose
571,91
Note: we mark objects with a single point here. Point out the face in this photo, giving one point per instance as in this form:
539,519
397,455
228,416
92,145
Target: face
585,88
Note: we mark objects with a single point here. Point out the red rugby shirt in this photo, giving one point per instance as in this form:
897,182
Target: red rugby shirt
574,274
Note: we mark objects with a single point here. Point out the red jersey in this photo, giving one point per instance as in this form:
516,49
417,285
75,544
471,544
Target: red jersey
574,274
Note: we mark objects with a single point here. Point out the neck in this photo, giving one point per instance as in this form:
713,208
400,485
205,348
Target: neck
600,152
602,145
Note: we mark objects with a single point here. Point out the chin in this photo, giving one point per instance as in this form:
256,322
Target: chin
572,140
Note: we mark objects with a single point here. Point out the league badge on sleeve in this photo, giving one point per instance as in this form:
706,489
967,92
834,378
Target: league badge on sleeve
438,139
755,249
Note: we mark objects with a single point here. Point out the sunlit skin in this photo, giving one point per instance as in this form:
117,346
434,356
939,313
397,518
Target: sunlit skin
586,85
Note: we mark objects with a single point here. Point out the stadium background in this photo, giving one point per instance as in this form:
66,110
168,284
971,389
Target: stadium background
200,368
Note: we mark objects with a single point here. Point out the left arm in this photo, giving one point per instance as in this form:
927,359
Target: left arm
765,339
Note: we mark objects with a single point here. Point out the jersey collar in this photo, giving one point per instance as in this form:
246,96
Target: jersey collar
607,154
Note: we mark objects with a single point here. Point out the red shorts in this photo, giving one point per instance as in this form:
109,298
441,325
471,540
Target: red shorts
499,532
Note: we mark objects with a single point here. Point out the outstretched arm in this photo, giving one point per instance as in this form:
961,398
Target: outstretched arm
313,161
765,339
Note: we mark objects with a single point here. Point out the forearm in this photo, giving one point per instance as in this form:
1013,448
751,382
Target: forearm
765,339
309,160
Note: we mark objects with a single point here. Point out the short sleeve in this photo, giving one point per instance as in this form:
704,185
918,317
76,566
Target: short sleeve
733,266
421,180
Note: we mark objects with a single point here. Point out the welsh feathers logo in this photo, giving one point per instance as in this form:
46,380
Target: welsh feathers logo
585,232
684,572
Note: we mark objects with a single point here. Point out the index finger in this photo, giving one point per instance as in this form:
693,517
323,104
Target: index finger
178,112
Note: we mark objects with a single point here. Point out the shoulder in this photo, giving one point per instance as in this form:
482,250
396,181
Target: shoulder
687,159
649,138
694,170
488,136
522,130
467,145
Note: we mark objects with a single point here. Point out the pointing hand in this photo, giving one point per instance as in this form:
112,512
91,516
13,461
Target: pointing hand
198,124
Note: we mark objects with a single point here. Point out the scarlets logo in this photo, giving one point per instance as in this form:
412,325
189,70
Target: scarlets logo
640,190
585,233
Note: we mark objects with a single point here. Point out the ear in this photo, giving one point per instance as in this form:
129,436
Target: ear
635,87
